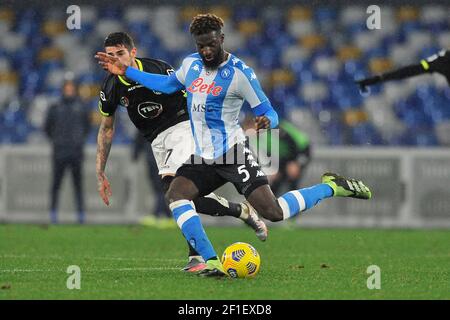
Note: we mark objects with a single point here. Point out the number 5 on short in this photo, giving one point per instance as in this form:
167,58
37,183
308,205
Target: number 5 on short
242,170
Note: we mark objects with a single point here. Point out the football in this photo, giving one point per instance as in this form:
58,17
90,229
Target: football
241,260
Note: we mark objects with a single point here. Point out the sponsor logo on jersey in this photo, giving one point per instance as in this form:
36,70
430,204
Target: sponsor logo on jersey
201,107
124,102
102,96
149,110
198,86
135,87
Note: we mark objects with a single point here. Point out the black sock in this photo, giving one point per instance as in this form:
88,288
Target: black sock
212,207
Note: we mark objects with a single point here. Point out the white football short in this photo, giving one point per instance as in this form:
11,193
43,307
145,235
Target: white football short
173,147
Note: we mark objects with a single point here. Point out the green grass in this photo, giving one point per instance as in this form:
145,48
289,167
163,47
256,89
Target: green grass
130,262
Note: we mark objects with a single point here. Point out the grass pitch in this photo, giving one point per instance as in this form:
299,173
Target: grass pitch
133,262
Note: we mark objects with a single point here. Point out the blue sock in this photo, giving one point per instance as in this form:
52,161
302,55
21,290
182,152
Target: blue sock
191,226
53,216
294,202
80,217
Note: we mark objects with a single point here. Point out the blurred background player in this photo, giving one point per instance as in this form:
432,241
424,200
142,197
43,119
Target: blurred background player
163,120
439,63
161,217
294,154
67,125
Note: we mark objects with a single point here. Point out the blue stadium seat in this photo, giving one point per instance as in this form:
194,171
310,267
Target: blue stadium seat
326,51
255,43
30,84
325,15
365,134
336,133
318,106
409,26
355,28
28,22
245,13
421,112
139,29
354,69
273,28
283,40
420,137
437,27
298,66
378,52
111,11
283,98
39,41
269,58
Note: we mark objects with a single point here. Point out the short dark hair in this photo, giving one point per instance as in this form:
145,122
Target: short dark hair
205,23
119,38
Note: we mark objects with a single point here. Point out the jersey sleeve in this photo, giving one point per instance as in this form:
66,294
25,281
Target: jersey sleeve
436,62
108,102
181,71
249,87
187,63
165,83
168,70
180,75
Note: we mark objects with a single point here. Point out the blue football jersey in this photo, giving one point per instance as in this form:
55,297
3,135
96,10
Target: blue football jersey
214,100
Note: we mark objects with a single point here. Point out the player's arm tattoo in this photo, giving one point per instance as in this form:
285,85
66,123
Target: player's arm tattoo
104,141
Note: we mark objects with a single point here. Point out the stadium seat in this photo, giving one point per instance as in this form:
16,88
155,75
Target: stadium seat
382,116
353,15
327,67
431,14
365,134
314,92
301,28
443,39
303,118
307,58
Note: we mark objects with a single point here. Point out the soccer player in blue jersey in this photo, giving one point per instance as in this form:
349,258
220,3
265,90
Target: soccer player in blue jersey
217,84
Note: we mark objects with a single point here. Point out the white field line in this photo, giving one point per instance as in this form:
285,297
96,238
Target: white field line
22,256
91,270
